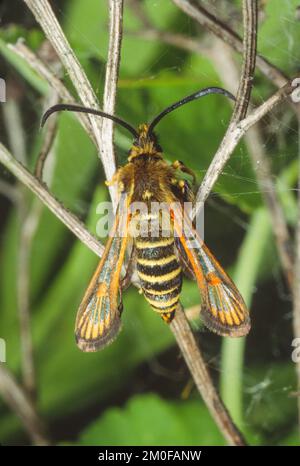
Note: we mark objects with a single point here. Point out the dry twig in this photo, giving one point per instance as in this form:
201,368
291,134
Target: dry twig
48,139
221,55
46,73
39,189
199,13
232,139
242,101
48,21
30,216
16,137
194,360
110,86
22,405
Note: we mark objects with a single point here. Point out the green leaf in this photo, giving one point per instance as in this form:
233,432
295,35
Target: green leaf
75,163
279,34
150,420
24,69
251,256
269,394
292,439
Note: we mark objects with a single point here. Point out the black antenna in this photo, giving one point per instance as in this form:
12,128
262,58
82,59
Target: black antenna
185,100
93,111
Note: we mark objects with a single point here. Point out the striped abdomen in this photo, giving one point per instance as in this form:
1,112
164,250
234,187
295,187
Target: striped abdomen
159,272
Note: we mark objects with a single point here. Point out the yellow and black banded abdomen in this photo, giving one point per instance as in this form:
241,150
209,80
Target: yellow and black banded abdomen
160,274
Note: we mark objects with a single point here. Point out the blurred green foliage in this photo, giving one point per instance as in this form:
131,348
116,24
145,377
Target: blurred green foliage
172,423
100,393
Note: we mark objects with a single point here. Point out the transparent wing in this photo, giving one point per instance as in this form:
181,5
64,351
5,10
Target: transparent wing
223,309
98,318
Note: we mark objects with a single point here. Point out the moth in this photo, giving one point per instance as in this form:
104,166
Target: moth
160,259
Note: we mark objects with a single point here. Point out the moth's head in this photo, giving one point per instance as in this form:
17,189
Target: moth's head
145,144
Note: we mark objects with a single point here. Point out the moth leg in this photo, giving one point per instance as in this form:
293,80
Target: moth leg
113,180
178,165
184,188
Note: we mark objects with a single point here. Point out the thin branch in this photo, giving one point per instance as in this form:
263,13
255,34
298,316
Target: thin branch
44,71
110,86
49,138
194,360
198,12
192,313
242,102
221,55
45,17
48,21
39,189
249,57
21,404
233,137
30,216
14,126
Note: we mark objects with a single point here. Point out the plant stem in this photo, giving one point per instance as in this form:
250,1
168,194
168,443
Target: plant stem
39,189
245,275
197,367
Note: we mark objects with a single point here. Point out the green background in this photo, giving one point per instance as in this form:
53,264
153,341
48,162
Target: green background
133,392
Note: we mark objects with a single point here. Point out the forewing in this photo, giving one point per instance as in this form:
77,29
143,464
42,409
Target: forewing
98,317
184,260
227,313
223,309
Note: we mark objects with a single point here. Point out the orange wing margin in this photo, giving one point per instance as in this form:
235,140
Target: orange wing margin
223,309
98,318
